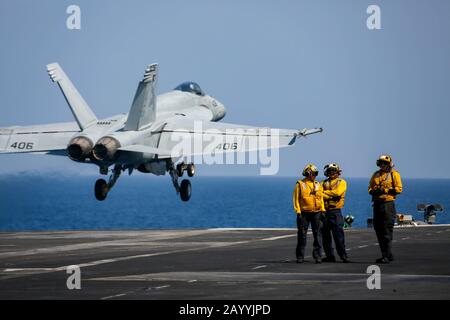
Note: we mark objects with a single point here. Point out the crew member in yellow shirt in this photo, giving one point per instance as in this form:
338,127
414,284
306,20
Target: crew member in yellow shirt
334,189
384,187
309,207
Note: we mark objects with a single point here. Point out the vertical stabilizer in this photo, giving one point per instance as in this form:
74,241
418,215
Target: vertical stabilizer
80,109
143,109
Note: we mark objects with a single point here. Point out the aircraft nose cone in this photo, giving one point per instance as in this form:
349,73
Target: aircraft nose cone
106,149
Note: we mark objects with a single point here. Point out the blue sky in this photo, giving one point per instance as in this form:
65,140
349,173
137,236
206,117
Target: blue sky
286,64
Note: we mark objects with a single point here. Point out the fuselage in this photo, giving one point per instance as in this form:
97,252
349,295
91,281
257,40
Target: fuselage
188,104
101,142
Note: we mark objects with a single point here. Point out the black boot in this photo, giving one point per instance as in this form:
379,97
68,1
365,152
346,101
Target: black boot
329,259
383,260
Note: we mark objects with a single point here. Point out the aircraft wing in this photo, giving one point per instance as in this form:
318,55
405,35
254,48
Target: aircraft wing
193,137
51,138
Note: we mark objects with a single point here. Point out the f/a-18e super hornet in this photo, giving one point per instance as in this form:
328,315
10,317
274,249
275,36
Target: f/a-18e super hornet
143,139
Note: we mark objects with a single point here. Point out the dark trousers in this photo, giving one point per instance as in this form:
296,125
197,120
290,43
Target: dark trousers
303,222
383,223
333,228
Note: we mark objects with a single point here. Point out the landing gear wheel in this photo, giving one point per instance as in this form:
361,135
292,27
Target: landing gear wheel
180,169
185,190
101,189
191,170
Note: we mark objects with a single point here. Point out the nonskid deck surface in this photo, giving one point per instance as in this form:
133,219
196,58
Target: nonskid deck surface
218,264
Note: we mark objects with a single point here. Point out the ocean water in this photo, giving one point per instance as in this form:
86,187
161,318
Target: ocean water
149,202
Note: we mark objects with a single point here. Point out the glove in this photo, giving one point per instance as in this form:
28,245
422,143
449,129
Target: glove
392,192
336,199
376,192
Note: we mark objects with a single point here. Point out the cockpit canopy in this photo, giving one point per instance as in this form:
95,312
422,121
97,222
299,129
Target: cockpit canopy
191,87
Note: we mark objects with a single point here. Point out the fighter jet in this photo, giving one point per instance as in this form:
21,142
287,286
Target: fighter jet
146,139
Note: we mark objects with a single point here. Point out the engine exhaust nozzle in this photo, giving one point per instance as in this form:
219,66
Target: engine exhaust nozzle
106,149
79,148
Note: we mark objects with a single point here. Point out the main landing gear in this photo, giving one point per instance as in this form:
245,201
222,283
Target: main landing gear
102,187
185,188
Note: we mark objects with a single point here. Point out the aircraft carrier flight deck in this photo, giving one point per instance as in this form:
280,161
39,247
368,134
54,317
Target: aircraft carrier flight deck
218,264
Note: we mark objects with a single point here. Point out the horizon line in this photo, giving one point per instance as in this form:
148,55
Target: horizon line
85,174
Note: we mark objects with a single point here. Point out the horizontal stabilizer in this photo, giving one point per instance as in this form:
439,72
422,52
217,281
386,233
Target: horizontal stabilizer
80,109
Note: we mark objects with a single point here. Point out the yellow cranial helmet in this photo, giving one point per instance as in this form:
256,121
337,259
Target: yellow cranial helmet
310,168
331,168
386,159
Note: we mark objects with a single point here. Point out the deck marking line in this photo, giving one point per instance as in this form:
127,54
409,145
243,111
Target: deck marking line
279,237
259,267
115,296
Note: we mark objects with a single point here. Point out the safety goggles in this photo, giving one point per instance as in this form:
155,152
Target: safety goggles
382,162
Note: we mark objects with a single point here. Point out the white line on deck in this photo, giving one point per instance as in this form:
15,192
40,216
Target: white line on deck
279,237
105,261
115,296
238,277
145,239
364,246
162,287
406,238
259,267
28,269
252,229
